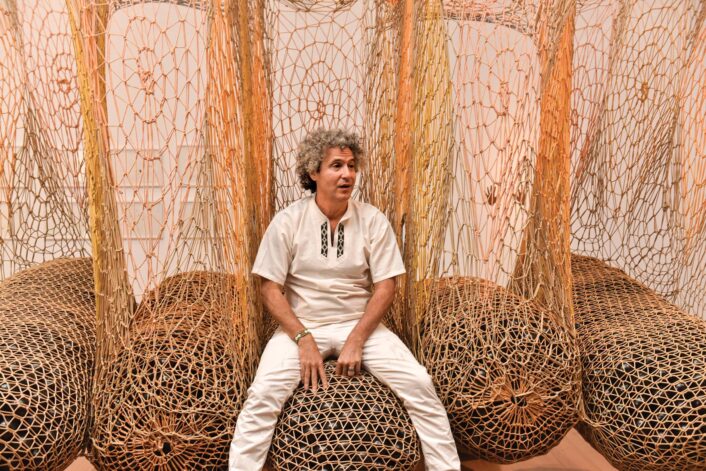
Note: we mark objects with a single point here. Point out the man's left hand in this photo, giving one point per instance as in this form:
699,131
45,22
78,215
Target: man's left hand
350,359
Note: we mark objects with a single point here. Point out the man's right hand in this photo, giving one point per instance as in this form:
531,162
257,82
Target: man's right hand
311,363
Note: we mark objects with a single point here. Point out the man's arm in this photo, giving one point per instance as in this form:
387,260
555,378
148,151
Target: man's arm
351,356
310,360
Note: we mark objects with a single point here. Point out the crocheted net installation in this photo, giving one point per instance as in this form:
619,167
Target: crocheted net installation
170,400
47,351
638,143
159,137
644,372
505,371
357,423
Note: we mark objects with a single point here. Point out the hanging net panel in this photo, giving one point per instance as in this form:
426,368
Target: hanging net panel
177,165
47,303
644,372
638,143
43,210
474,177
318,60
47,351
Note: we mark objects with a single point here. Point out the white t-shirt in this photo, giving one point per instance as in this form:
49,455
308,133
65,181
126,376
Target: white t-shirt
328,282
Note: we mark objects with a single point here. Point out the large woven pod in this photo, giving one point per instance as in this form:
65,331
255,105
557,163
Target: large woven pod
47,350
171,398
644,364
507,374
357,423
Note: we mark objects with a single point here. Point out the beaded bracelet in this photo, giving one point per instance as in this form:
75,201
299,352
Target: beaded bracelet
301,334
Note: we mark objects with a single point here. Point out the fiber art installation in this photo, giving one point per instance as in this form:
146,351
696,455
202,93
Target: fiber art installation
357,423
47,353
475,177
159,138
638,142
170,398
644,372
505,371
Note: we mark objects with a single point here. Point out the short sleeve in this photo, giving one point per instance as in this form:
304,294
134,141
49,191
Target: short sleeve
274,255
385,258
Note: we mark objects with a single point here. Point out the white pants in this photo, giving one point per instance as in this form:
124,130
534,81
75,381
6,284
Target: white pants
384,355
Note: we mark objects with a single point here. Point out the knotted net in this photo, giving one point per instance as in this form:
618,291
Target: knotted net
637,204
644,372
47,302
47,353
167,130
356,423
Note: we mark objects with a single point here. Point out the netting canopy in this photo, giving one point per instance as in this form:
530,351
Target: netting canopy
159,138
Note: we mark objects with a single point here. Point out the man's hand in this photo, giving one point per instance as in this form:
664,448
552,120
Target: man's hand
350,359
311,364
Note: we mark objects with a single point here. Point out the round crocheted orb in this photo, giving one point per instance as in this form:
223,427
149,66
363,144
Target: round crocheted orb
47,351
357,423
507,374
644,372
171,397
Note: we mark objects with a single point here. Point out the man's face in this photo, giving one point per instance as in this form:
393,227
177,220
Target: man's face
336,175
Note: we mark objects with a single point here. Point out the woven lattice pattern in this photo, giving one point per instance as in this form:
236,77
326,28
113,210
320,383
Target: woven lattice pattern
159,137
357,423
43,204
506,372
638,140
47,350
644,367
170,400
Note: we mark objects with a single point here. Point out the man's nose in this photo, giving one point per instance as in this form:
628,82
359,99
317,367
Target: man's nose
348,172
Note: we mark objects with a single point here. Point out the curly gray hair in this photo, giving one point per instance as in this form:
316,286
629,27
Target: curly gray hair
312,151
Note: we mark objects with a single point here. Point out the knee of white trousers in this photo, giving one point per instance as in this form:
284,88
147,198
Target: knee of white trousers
417,383
270,394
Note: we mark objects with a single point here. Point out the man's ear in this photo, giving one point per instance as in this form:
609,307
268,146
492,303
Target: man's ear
314,175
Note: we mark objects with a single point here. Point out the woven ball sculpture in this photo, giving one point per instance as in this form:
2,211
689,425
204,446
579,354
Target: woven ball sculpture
507,374
644,364
357,423
171,398
47,351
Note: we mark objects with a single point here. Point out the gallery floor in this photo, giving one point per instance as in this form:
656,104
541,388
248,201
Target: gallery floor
572,454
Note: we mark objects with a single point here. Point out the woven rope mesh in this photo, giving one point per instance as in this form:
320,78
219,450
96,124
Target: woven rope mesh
43,205
644,367
170,399
172,191
159,137
47,351
507,373
357,423
638,143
